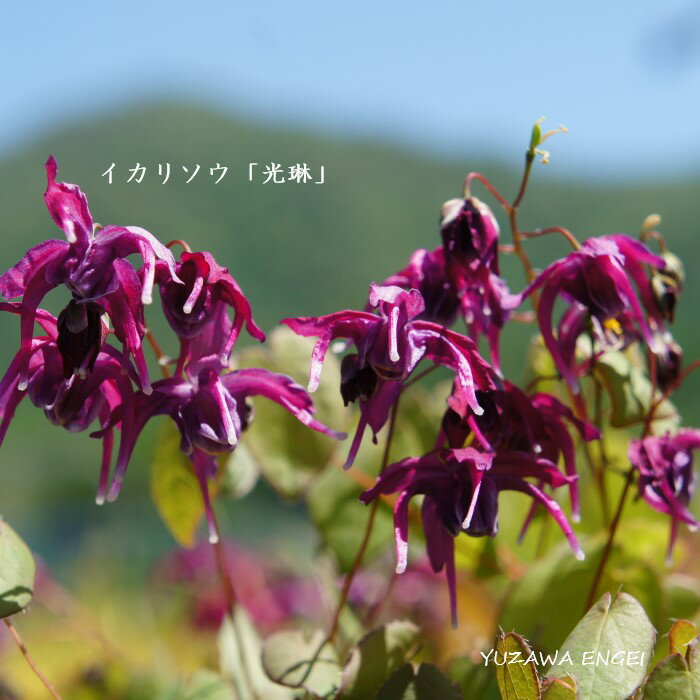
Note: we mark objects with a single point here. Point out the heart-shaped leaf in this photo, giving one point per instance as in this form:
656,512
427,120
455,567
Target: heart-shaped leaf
610,649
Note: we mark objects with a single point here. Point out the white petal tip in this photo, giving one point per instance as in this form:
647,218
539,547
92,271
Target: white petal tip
394,356
213,538
146,299
187,308
467,522
478,410
580,555
148,390
100,500
400,568
22,385
576,517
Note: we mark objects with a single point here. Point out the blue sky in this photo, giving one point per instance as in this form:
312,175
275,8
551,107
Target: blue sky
455,77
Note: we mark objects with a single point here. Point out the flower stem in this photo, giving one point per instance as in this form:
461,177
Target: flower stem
611,538
554,229
30,661
487,184
359,557
513,218
161,357
219,553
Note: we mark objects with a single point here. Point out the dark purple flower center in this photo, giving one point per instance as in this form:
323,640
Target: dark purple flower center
81,333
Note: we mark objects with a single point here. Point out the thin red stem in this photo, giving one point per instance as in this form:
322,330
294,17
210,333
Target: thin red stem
29,660
161,357
611,538
554,229
487,184
180,242
359,557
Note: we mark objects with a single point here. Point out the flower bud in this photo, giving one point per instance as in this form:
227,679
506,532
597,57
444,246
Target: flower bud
469,232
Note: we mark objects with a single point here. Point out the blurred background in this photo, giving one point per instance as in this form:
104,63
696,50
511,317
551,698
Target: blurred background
396,102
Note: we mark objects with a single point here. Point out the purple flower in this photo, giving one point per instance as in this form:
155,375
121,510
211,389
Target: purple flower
462,274
515,422
210,408
461,495
469,233
389,347
666,478
596,278
73,403
193,303
92,264
426,272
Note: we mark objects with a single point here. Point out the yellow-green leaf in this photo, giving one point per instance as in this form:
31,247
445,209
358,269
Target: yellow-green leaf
517,678
682,632
175,489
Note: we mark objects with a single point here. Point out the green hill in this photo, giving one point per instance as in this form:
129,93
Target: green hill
295,249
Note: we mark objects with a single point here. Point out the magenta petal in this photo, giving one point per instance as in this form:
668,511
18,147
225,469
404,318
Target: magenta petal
551,505
68,207
278,388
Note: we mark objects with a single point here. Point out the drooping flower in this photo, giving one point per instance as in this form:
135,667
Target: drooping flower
389,346
598,277
192,303
461,275
515,422
74,402
92,264
210,407
460,489
666,479
427,273
469,233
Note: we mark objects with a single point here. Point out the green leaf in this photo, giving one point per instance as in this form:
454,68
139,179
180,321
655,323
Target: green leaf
240,651
296,660
630,391
516,681
289,454
175,489
559,689
600,647
682,632
560,583
674,679
427,683
376,656
17,571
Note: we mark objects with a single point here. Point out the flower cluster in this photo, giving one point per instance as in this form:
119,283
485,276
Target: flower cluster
494,436
78,377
